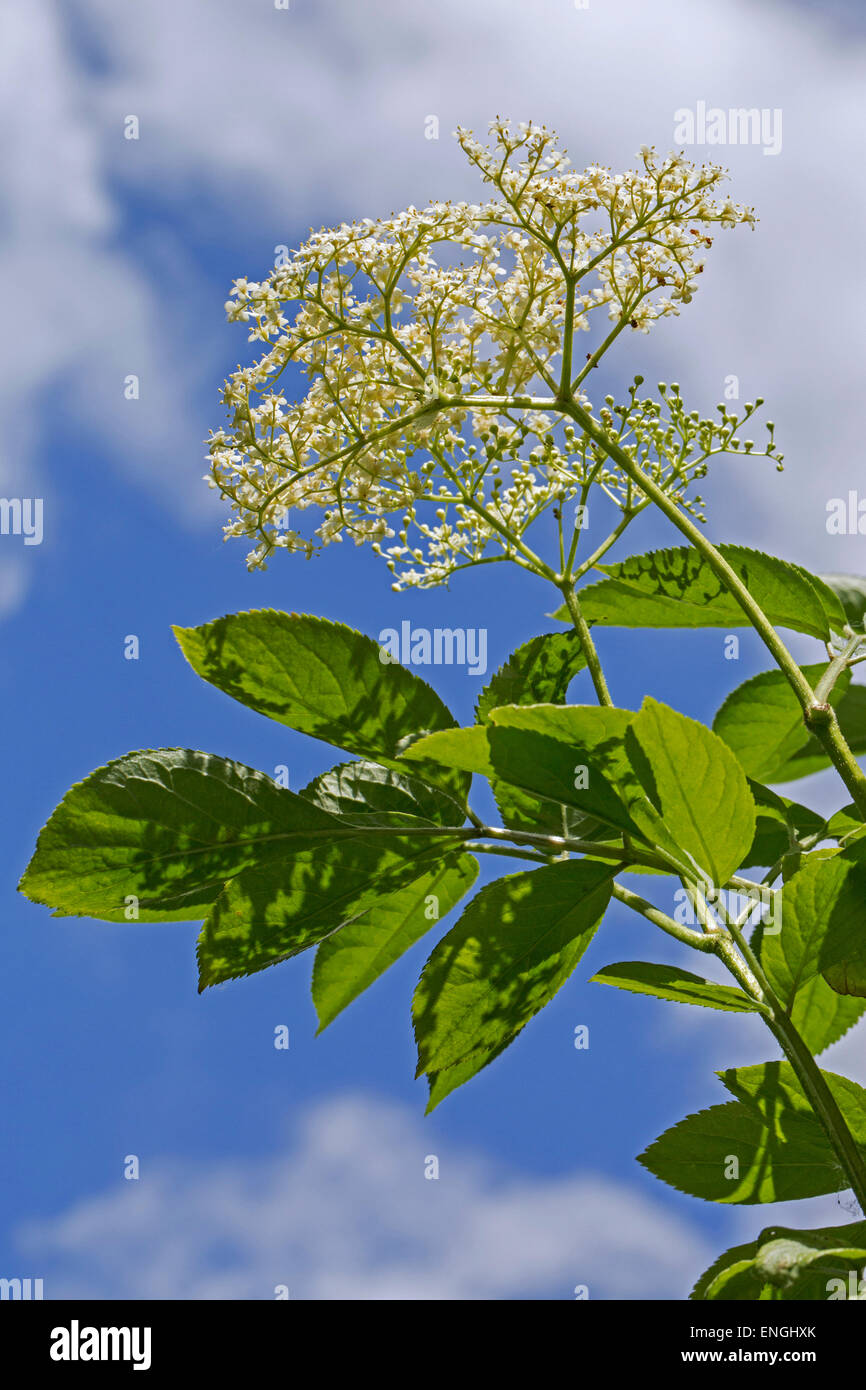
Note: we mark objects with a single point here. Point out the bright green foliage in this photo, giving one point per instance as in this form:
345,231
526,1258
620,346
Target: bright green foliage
774,1089
274,910
698,787
848,977
377,851
537,673
823,922
350,960
846,825
792,1266
319,677
168,827
266,914
780,823
668,982
850,589
729,1154
763,723
767,1146
571,774
513,948
677,588
822,1015
368,793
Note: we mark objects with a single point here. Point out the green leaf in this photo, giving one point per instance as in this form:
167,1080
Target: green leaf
273,911
596,738
850,589
520,810
803,1265
539,672
677,588
319,677
762,721
541,766
823,921
728,1154
731,1276
364,791
593,736
165,826
848,978
821,1015
514,946
668,982
791,1265
350,960
779,824
773,1090
442,1083
697,785
594,729
846,824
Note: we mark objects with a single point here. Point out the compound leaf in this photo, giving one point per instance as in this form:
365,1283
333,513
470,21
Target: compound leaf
514,946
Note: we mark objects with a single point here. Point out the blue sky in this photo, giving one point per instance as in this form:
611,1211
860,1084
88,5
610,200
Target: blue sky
261,1167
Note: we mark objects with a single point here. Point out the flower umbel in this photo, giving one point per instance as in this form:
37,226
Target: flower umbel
438,352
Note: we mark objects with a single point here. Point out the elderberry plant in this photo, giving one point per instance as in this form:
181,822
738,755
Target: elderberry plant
444,407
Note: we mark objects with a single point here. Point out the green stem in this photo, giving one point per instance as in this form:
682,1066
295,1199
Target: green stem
746,885
535,563
822,1101
555,844
820,718
751,978
822,721
747,970
568,333
693,533
478,848
699,940
839,663
593,559
751,960
589,649
726,951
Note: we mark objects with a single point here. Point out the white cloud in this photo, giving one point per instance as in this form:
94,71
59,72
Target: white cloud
278,117
346,1212
319,112
81,314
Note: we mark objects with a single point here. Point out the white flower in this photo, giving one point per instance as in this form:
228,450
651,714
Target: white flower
435,345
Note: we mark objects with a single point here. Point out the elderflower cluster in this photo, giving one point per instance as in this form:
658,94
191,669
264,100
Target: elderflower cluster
437,346
671,446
